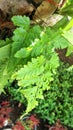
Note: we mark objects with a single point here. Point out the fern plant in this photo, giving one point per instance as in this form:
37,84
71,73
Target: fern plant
31,59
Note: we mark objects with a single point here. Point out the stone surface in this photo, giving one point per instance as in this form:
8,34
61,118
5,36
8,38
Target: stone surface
8,8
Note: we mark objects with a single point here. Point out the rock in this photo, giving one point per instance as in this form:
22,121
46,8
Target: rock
8,8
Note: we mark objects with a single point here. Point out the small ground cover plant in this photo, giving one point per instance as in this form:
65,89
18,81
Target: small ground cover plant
29,123
58,101
5,111
56,126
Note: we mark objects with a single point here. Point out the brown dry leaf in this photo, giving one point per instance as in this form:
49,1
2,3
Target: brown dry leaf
45,9
52,20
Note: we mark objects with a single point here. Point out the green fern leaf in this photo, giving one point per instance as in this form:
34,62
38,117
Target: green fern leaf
21,21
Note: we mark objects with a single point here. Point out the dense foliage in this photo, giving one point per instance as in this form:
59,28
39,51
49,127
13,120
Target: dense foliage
57,102
29,123
32,59
29,57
